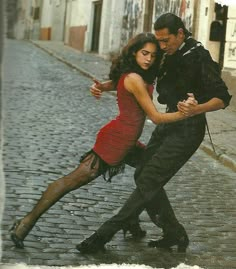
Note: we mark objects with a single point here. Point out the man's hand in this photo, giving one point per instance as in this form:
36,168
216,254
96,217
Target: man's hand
187,107
96,89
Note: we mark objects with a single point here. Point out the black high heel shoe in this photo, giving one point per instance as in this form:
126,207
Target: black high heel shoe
91,245
24,231
134,229
169,240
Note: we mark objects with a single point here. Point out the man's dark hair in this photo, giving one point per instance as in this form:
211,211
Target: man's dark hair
172,22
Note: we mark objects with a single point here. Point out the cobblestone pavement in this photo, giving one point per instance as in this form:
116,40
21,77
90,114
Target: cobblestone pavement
50,120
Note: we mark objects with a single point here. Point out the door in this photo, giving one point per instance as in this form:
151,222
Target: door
96,25
221,16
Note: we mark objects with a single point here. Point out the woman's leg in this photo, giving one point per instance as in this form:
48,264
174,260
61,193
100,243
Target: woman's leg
85,173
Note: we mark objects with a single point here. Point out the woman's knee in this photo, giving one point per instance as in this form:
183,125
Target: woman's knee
82,178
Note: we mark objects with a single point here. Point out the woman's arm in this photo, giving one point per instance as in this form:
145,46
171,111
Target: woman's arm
99,87
135,85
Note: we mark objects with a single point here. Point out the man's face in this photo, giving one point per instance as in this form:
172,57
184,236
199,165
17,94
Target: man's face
169,43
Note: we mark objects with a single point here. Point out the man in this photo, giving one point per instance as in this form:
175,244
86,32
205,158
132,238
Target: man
186,67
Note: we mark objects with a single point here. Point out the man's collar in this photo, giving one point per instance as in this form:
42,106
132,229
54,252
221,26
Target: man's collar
181,46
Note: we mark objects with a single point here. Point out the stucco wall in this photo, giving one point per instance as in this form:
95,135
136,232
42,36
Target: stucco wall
202,21
120,21
206,17
132,20
46,14
23,19
182,8
115,31
58,20
78,14
46,20
2,182
230,45
107,17
19,19
80,11
11,8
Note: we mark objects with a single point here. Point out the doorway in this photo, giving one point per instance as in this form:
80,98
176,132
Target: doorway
221,16
96,25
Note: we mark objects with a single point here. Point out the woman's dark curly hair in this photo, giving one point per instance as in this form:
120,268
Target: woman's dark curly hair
126,61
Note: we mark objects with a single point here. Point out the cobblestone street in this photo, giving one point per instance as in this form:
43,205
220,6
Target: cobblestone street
50,120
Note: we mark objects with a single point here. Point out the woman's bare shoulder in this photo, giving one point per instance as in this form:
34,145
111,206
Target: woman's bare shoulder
133,81
133,76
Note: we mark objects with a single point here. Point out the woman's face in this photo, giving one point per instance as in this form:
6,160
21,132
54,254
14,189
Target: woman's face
146,56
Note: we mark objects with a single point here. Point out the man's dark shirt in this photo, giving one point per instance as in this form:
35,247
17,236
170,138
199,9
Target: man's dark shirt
190,70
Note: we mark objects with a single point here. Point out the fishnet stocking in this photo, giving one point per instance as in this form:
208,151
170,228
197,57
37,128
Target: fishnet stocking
56,190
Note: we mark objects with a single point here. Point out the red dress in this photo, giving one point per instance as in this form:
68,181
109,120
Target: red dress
116,138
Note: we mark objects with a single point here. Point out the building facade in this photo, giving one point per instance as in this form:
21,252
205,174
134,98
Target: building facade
104,26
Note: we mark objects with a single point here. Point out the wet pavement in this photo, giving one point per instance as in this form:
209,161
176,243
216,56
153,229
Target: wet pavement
50,120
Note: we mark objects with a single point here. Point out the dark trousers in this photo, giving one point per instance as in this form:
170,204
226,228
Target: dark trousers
170,147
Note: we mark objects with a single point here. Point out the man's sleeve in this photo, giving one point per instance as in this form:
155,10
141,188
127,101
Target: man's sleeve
211,80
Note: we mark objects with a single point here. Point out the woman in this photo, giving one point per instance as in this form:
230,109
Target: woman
133,74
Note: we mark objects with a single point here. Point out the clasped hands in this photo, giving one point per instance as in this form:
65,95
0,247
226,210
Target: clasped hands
188,107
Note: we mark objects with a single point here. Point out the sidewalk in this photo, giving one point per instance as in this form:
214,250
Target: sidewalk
221,123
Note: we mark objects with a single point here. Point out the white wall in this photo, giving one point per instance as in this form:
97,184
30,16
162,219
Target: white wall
114,32
133,17
230,45
120,21
46,14
58,20
181,8
115,26
24,24
110,30
104,37
206,16
79,12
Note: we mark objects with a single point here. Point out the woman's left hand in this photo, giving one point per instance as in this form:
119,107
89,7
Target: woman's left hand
96,89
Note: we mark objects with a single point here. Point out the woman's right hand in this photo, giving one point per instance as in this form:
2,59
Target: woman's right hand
96,89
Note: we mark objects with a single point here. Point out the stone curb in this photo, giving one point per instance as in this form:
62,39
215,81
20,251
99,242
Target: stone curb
81,70
207,148
221,157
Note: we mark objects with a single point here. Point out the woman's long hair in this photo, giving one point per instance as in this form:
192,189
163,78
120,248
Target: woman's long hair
126,61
